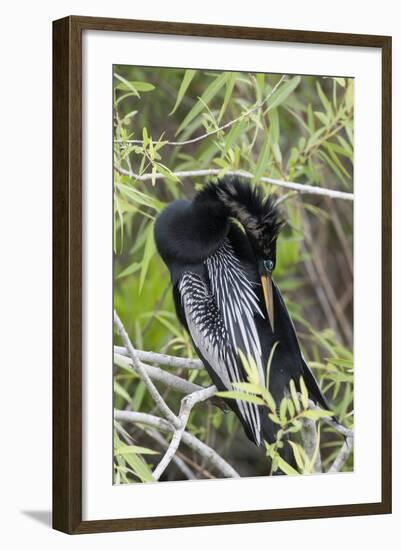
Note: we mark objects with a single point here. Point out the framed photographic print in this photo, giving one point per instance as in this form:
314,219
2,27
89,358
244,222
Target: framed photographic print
222,274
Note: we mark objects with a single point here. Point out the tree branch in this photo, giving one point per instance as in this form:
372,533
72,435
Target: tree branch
128,356
162,359
190,440
335,425
342,456
309,439
179,462
299,187
212,132
161,404
166,378
187,404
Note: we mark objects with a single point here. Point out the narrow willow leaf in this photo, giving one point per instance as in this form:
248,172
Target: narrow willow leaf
186,81
325,102
170,327
127,84
242,396
237,130
257,390
149,250
269,363
139,395
340,81
133,268
145,137
316,414
139,197
205,99
263,160
122,392
286,468
274,418
135,85
227,95
297,455
274,125
140,468
294,395
304,393
283,411
324,119
281,94
124,450
349,95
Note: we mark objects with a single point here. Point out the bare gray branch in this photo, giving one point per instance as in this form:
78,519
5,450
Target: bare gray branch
190,440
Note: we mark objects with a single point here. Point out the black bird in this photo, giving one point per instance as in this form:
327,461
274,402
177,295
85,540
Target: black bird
220,249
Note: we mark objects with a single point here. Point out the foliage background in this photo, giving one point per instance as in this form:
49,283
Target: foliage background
302,133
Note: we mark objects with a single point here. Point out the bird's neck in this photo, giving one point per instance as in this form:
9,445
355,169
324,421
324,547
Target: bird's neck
205,227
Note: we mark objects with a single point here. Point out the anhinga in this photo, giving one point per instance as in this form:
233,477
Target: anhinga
220,249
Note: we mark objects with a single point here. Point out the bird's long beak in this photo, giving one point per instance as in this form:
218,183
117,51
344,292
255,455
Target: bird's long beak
268,294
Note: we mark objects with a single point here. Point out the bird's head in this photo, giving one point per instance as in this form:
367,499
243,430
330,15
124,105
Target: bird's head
260,219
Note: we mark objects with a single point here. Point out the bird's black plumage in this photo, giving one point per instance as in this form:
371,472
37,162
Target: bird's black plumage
218,247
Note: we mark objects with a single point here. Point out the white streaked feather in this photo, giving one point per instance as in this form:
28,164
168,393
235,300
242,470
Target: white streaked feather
215,318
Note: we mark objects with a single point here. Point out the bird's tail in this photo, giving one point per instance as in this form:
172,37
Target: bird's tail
248,205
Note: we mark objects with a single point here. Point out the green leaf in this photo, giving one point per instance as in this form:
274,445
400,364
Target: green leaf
242,396
130,85
258,390
304,393
236,131
186,81
250,368
122,392
139,395
205,99
297,455
340,81
349,95
274,125
228,93
286,468
140,468
139,197
324,119
325,102
316,414
124,450
294,395
283,410
281,94
133,268
269,363
148,252
263,159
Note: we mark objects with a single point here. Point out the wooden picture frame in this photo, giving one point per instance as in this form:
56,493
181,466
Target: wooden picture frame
67,273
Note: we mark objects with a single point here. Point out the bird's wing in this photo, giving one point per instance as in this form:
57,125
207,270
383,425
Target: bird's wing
305,371
220,319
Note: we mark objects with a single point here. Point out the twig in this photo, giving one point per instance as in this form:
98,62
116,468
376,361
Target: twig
342,456
179,462
161,404
212,132
335,425
309,439
187,404
190,440
300,187
168,379
162,359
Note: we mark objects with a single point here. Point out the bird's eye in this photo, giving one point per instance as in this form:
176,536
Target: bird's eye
268,265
